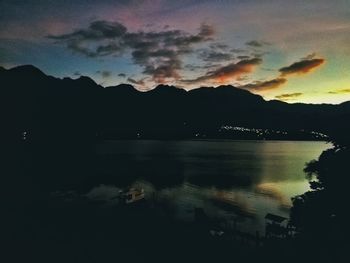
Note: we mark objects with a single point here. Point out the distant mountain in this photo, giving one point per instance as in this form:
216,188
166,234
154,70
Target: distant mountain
48,108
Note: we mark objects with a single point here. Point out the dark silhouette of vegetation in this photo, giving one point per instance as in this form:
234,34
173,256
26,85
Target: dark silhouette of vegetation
321,215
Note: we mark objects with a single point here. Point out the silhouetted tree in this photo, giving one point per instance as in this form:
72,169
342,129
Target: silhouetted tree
321,215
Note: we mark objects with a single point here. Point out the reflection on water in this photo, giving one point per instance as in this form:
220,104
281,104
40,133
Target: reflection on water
243,180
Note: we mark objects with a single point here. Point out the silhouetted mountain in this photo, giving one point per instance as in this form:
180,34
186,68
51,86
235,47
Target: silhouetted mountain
28,70
47,107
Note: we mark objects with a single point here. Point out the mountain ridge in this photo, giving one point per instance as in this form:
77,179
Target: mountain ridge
31,69
41,103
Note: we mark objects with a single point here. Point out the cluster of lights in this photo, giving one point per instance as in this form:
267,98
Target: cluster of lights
24,135
261,132
319,135
244,129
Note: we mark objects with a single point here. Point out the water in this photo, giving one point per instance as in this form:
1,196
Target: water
231,180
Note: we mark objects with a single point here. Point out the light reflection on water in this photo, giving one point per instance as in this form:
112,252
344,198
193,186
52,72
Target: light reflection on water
228,179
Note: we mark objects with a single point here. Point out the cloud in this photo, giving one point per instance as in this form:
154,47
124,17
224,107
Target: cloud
339,91
243,57
256,43
108,34
140,82
97,30
159,53
215,56
288,96
219,45
238,50
265,85
207,66
104,73
228,72
301,67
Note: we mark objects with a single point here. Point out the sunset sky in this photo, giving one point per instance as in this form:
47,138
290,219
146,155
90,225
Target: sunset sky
296,51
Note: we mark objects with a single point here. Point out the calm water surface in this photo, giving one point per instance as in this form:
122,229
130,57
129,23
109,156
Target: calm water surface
241,180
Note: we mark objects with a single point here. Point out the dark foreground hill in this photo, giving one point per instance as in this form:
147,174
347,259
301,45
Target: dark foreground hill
41,107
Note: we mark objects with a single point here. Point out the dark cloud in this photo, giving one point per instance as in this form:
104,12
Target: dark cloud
77,73
104,73
77,47
265,85
200,67
214,56
238,50
206,31
108,49
97,30
106,34
159,53
302,67
123,75
228,72
243,57
288,96
256,43
218,45
339,91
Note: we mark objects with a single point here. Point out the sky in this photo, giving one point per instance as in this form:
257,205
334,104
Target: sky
295,51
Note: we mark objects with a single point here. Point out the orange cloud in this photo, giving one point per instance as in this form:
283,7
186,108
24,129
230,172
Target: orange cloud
227,73
301,67
265,85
